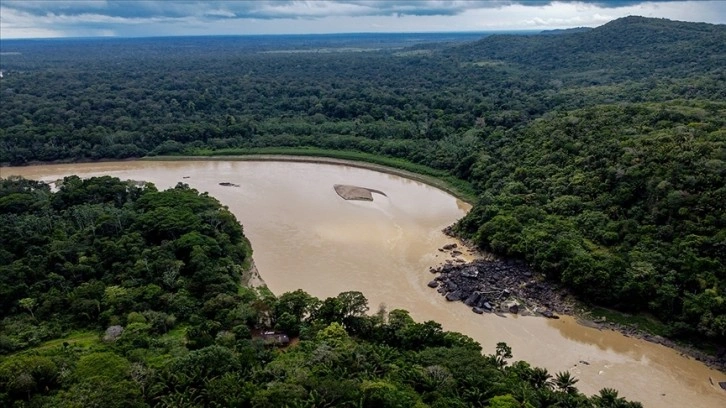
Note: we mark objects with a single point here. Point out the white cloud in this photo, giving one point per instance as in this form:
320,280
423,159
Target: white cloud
312,9
219,13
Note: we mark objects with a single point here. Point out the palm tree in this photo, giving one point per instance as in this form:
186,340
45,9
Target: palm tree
565,382
608,398
475,396
540,378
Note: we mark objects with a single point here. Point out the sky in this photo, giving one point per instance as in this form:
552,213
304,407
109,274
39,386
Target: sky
127,18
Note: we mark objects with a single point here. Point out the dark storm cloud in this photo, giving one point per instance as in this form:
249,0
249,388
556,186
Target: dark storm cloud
273,9
63,18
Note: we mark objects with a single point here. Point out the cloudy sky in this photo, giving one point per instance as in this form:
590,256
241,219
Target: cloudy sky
126,18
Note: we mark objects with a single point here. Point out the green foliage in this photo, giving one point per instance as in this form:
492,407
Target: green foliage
107,365
99,392
394,362
595,155
595,158
108,264
22,376
504,401
384,394
565,382
617,202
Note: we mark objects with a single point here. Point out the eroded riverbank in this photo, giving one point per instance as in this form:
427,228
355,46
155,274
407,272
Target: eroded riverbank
305,236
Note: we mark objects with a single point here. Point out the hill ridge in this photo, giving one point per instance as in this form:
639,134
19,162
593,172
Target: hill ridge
629,47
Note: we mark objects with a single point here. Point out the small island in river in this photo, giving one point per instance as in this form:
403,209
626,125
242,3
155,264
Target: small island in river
348,192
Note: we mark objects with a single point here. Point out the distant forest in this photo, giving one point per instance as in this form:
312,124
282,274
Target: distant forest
598,156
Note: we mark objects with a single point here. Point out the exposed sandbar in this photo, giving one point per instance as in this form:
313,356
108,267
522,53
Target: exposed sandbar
356,193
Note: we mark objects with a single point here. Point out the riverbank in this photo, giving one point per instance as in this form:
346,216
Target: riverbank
436,178
489,284
582,312
417,172
304,238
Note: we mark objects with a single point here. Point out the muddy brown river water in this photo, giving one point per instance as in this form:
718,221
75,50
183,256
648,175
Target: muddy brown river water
305,236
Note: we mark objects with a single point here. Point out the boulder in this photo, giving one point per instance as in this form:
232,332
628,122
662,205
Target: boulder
548,314
448,267
477,310
470,271
511,306
449,247
113,333
433,284
487,306
453,296
472,300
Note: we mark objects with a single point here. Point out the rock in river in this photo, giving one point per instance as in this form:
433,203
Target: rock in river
501,285
512,306
453,296
472,300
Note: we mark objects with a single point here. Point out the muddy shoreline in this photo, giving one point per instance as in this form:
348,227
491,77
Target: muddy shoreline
429,180
489,284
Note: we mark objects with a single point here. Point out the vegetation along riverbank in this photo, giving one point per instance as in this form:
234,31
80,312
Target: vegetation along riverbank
488,284
593,156
120,295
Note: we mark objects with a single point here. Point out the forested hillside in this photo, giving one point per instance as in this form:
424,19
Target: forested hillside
622,203
631,48
99,249
116,295
597,155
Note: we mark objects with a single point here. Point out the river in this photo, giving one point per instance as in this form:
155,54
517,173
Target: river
305,236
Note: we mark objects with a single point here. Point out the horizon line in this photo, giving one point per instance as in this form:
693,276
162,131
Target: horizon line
118,37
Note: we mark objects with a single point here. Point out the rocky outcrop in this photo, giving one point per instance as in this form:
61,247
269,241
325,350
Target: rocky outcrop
500,280
500,286
510,286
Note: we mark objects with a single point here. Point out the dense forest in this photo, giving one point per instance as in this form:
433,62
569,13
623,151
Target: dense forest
595,155
116,294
